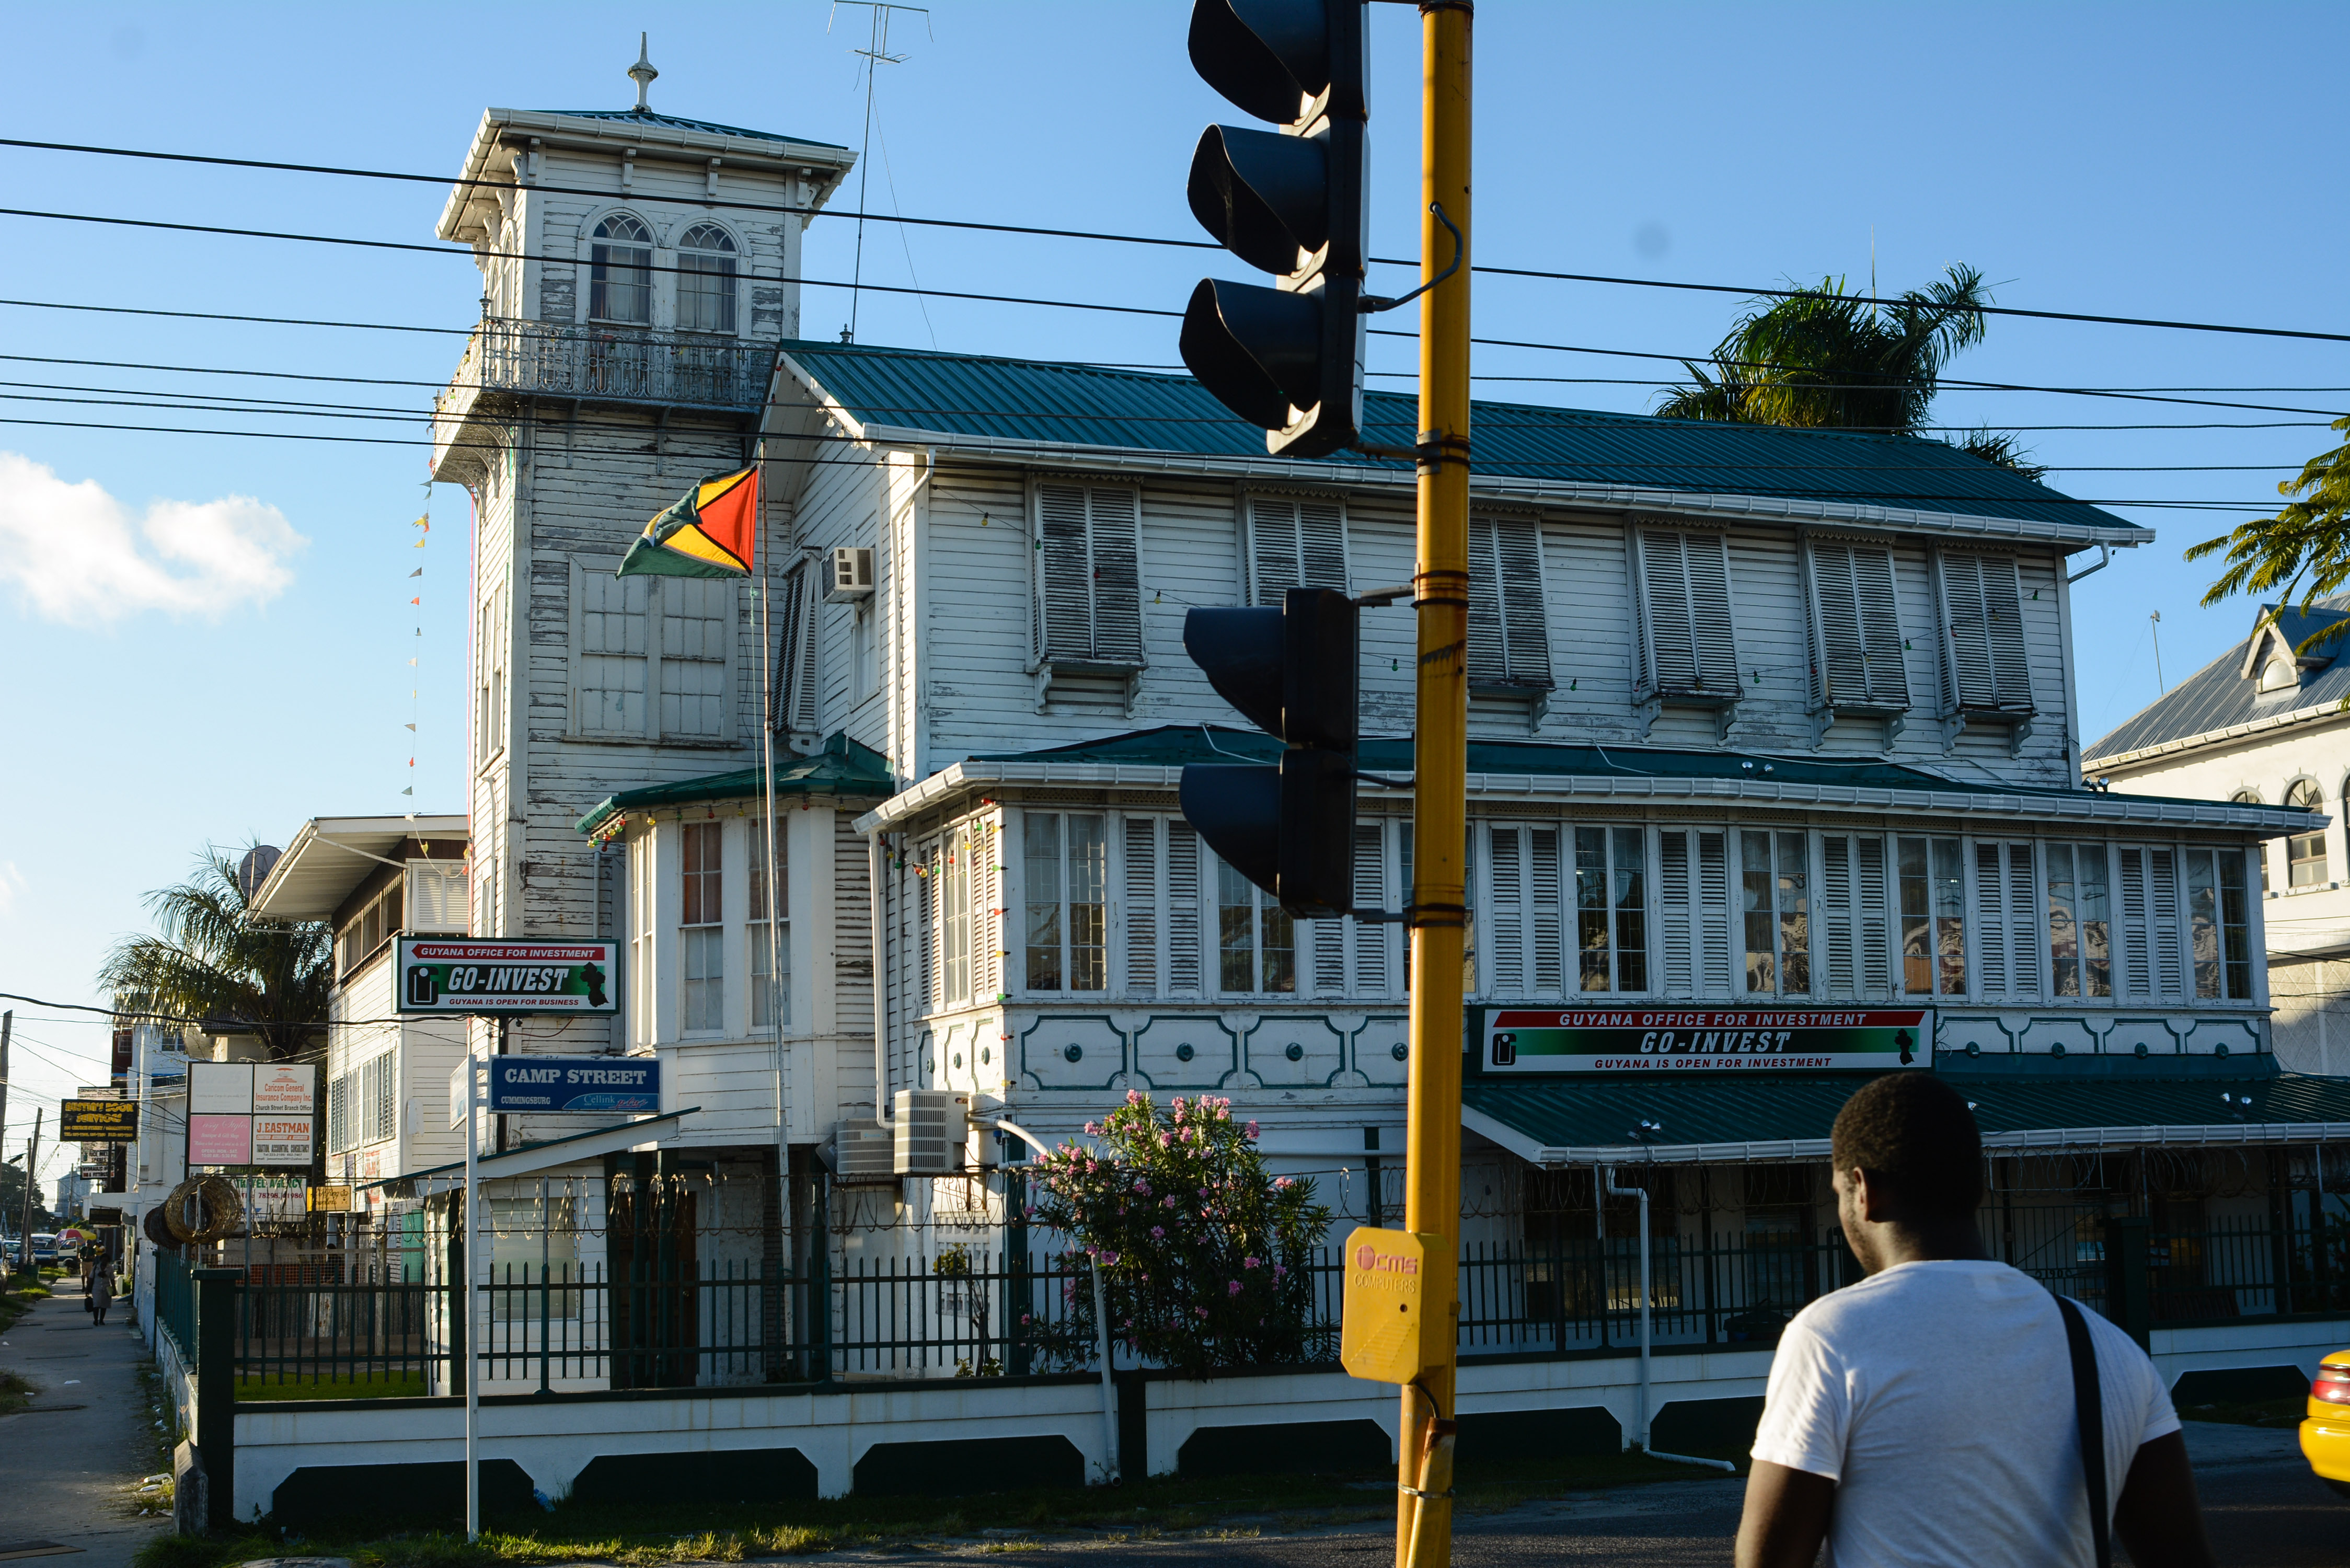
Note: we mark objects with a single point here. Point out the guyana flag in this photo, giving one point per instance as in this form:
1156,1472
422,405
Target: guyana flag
710,534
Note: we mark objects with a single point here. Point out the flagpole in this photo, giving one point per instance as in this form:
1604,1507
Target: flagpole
767,767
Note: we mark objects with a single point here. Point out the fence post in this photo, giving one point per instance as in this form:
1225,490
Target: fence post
216,1291
455,1313
2129,1280
820,1282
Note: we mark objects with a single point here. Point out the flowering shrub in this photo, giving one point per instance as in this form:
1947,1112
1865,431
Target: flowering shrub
1204,1257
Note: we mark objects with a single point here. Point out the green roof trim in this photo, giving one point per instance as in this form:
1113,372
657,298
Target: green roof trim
989,398
679,122
2009,1096
844,769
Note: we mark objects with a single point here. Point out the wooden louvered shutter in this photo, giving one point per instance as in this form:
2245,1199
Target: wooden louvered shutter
1524,619
1182,909
1327,941
1709,582
1992,924
1676,898
2138,953
1322,544
1836,903
1839,670
2022,921
927,883
1880,625
1505,943
1489,654
1370,893
1142,906
988,923
1272,548
1876,930
1965,633
1117,575
1714,930
2011,666
1664,575
2162,901
1064,588
1543,928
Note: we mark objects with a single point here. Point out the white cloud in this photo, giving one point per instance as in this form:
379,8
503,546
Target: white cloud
74,553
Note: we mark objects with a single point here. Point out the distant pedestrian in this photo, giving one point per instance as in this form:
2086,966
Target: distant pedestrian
1928,1414
101,1293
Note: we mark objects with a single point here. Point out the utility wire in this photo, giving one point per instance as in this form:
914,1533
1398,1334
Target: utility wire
864,216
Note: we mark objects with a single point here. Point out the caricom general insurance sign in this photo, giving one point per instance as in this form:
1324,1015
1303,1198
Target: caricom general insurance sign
1706,1040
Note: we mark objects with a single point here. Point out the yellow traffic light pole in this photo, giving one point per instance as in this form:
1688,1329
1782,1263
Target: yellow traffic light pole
1441,767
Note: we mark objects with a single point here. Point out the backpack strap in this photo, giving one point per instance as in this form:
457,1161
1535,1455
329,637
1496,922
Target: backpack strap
2089,1417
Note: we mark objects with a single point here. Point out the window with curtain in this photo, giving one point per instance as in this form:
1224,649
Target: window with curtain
620,271
1776,885
705,280
1611,908
1933,917
2080,921
1256,941
770,985
1065,866
702,929
2305,852
2218,924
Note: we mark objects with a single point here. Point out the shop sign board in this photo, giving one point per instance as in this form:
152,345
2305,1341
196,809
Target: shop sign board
330,1200
98,1121
251,1113
575,1085
465,975
1686,1040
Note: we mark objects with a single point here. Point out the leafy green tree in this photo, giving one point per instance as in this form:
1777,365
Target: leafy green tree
1206,1258
1832,359
211,957
2305,547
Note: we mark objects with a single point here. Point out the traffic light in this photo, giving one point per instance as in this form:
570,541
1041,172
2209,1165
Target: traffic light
1289,828
1289,203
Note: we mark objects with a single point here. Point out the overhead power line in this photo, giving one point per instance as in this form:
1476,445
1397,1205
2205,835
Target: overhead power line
1747,290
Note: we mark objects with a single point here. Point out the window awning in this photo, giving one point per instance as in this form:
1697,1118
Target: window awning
1597,1121
530,1159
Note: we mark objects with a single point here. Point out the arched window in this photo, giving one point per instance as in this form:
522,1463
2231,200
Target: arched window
2259,851
2279,674
620,274
2305,852
705,280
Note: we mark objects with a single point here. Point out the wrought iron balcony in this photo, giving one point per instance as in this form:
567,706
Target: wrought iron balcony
608,364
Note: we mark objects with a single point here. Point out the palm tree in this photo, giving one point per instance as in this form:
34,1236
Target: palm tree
212,959
1830,359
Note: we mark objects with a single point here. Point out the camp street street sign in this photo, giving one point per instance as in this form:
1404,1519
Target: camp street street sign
1688,1040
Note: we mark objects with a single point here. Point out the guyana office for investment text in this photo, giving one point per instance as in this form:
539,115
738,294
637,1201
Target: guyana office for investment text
1774,742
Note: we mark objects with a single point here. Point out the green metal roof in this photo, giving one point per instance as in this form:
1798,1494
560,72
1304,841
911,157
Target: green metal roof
678,122
2020,1096
1035,401
844,769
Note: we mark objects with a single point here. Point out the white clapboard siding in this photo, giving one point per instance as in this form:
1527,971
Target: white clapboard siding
1295,542
1987,665
1687,635
1856,653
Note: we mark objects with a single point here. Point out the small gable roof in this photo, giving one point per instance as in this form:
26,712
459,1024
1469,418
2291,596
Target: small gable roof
2225,693
844,771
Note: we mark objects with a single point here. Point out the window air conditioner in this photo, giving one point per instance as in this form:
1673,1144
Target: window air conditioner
933,1127
863,1147
851,576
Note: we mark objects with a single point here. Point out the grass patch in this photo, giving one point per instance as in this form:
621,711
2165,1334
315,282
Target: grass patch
18,1299
14,1393
653,1534
367,1386
2283,1411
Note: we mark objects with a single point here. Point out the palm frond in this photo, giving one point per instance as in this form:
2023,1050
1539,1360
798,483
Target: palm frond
2305,545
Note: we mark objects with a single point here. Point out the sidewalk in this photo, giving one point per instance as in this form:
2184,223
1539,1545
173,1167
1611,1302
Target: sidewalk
69,1471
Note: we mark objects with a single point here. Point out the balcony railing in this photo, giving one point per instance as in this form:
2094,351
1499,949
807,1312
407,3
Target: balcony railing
608,364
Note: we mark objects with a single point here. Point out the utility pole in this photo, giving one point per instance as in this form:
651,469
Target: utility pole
7,1027
2154,627
1439,777
32,1171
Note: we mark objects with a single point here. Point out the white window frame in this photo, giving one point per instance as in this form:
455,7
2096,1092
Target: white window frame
1294,540
1676,610
730,296
590,241
1986,657
758,908
659,592
706,935
491,687
1034,894
1100,645
1852,593
1263,908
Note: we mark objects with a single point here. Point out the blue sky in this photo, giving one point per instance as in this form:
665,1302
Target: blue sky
209,634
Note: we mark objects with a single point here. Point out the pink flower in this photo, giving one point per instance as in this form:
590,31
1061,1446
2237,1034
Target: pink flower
1029,1212
1232,1289
1281,1183
1177,1107
1158,1233
1279,1269
1093,1130
1109,1258
1167,1140
1200,1311
1252,1130
1248,1262
1168,1201
1025,1318
1204,1192
1133,1097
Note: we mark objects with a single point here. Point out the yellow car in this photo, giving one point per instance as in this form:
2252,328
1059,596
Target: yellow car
2326,1435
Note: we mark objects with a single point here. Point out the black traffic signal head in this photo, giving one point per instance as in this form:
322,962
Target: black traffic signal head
1288,358
1292,672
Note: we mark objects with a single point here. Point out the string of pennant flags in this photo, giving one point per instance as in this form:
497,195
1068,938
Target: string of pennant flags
424,525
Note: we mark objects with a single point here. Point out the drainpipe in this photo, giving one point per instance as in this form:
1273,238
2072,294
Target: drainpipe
874,866
1607,1181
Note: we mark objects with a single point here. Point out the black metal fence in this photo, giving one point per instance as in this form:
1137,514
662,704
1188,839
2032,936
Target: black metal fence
314,1329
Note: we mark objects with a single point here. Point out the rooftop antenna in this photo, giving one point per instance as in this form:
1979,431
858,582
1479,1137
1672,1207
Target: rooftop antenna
878,54
642,73
2155,617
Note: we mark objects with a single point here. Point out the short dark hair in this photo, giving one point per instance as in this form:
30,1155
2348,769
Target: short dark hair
1915,1132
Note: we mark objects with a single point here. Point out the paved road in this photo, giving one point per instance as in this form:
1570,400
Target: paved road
2264,1511
65,1474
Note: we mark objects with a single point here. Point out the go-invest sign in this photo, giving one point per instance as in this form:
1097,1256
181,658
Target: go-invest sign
440,974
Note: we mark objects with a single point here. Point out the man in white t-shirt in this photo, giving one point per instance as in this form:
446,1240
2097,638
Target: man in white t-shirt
1926,1416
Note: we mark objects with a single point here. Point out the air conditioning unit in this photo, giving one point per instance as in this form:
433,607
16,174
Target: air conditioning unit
863,1148
851,576
933,1127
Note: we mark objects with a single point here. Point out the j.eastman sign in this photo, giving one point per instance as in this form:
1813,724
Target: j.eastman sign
1707,1039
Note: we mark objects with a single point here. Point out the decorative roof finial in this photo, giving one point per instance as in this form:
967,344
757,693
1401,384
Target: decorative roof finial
642,73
